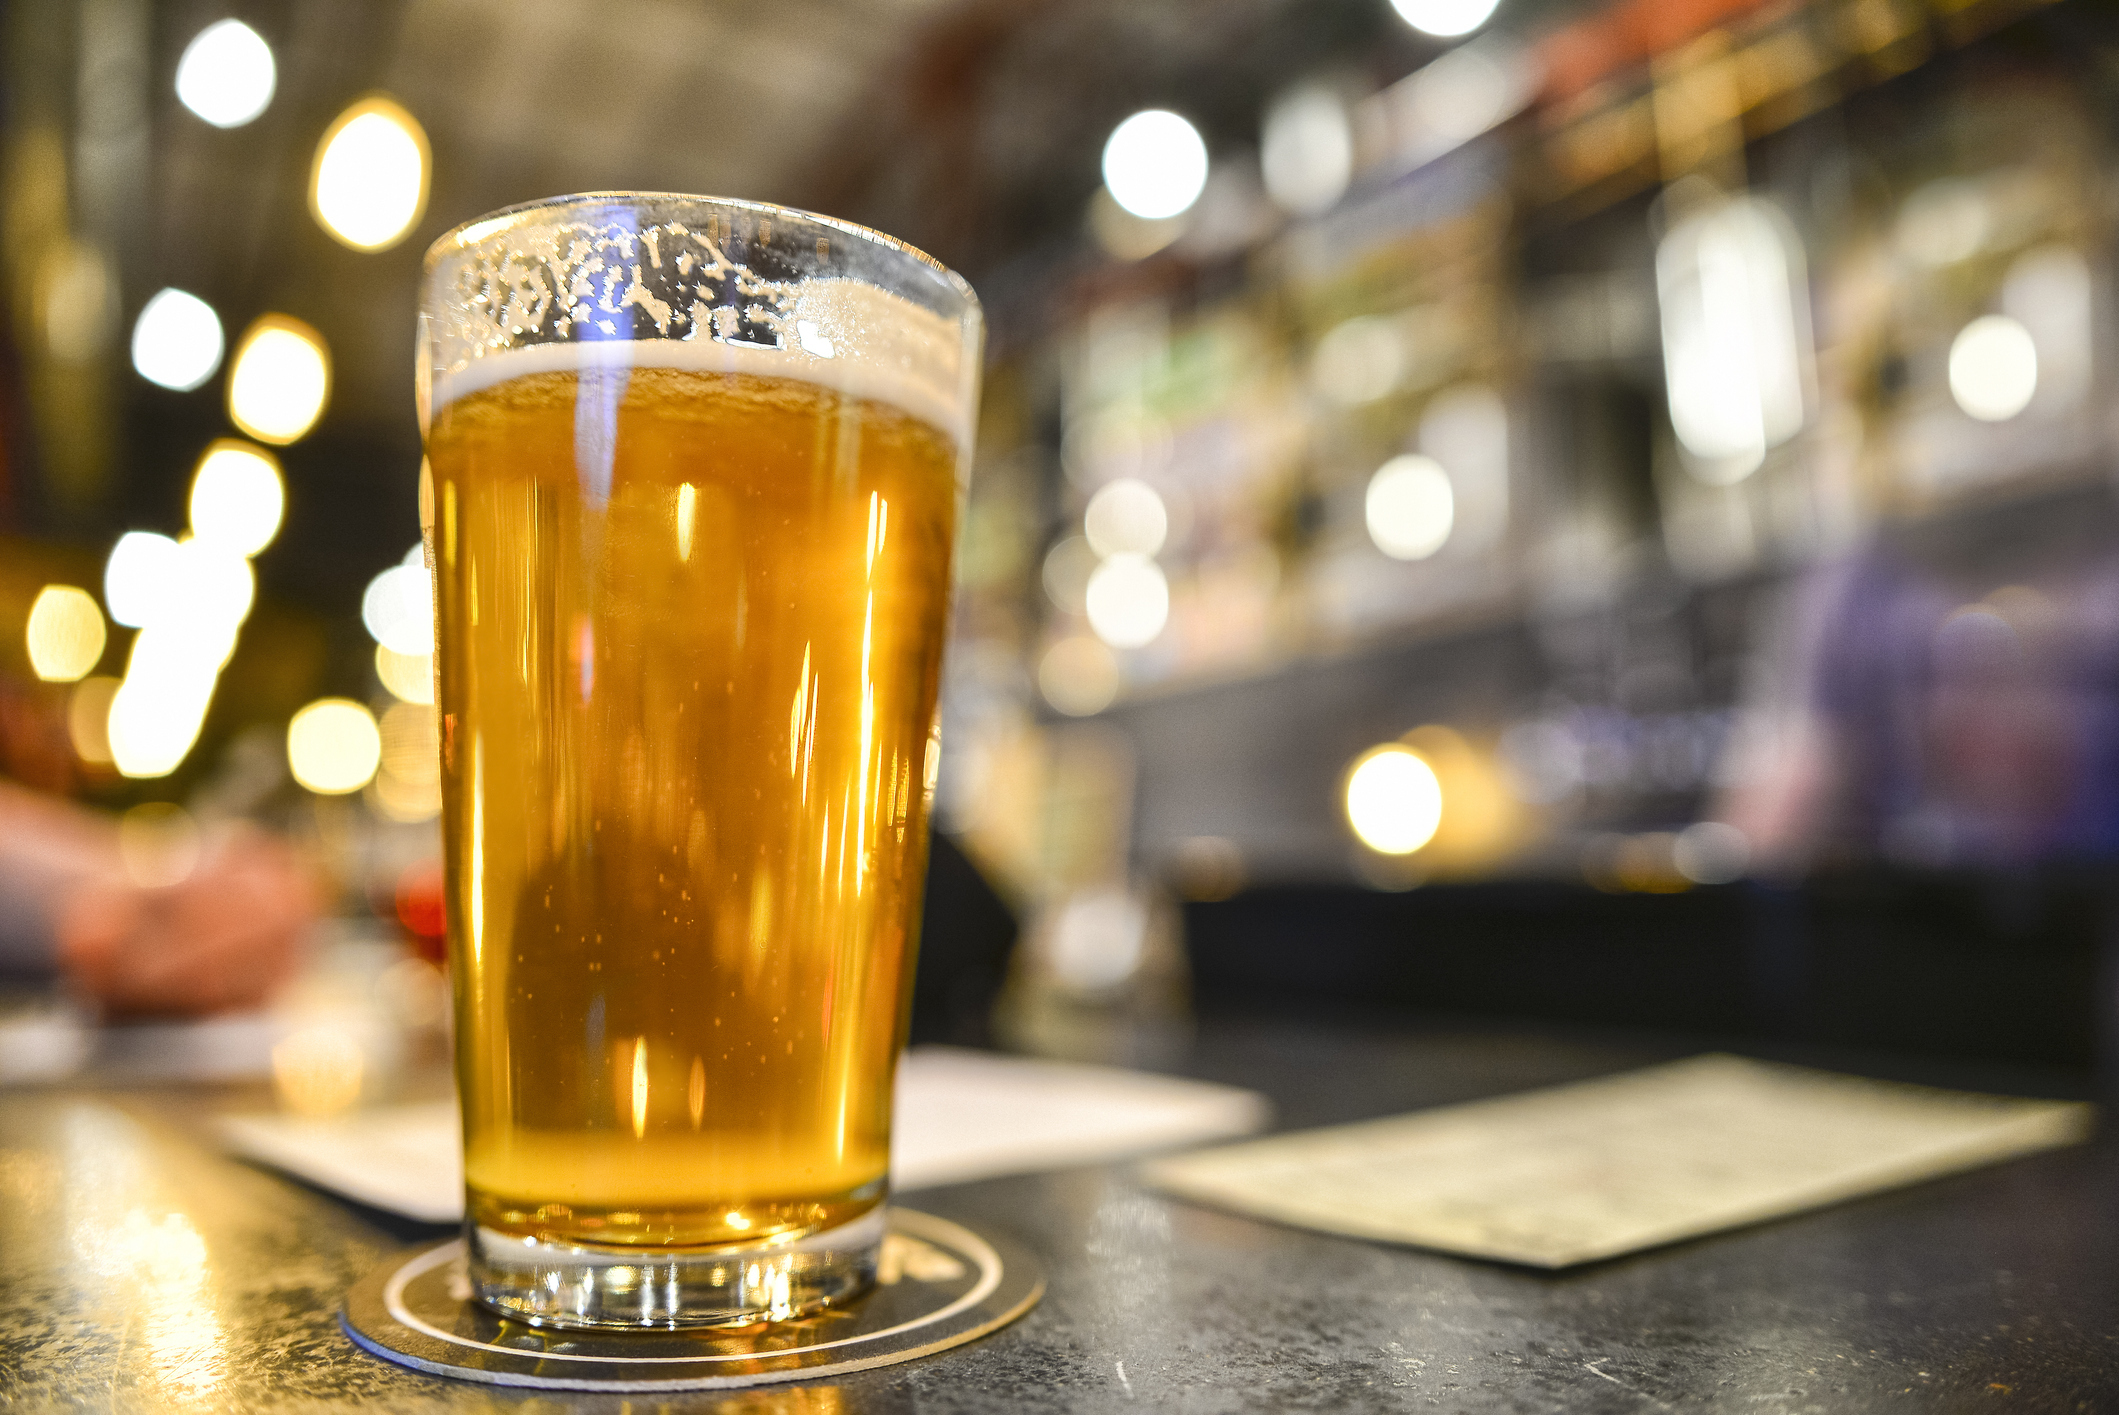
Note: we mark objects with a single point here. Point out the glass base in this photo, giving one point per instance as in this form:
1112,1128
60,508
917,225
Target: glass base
628,1289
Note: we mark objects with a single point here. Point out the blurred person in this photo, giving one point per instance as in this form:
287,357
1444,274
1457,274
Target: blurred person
1950,700
223,936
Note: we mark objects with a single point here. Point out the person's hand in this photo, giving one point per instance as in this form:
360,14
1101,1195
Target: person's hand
224,938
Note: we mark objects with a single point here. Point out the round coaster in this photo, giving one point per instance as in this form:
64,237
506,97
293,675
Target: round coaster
939,1284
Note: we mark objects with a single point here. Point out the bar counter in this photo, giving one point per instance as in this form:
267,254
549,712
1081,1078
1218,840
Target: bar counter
144,1271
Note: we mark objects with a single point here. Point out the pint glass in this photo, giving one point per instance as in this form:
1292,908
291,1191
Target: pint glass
693,473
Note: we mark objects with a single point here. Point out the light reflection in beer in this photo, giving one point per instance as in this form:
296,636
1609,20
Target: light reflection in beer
640,1087
687,503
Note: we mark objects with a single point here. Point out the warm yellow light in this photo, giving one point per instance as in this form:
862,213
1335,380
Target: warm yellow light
157,711
280,381
1078,676
1393,800
88,718
408,802
411,745
317,1071
369,184
333,746
237,496
65,634
408,676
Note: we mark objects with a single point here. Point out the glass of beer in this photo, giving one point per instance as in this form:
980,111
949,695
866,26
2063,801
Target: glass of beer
693,471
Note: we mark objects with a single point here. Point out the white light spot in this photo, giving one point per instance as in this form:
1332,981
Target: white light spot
237,497
1410,507
1393,800
1993,368
226,75
334,746
281,380
1155,164
370,182
1308,149
1128,601
176,341
1735,335
1126,517
138,576
1444,19
398,608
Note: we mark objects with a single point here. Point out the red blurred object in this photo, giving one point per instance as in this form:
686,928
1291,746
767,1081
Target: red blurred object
421,909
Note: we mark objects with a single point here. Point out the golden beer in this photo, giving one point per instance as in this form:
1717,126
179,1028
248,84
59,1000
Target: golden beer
687,728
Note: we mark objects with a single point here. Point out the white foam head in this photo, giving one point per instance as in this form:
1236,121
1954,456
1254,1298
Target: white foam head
602,282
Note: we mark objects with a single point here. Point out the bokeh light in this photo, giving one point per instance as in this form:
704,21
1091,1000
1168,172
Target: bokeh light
334,746
1711,852
156,713
1393,800
177,340
1307,151
281,380
1733,294
141,568
1445,19
209,594
409,677
88,718
408,785
1410,507
398,608
65,633
226,75
1358,361
1128,601
317,1071
1078,676
1126,517
1155,164
1993,368
370,181
237,497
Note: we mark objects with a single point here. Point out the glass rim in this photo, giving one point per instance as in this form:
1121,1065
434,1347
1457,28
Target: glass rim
459,238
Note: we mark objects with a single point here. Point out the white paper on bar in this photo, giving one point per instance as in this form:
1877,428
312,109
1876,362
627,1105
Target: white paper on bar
961,1116
1582,1172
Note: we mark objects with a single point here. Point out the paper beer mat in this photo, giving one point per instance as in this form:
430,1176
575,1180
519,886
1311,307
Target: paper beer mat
961,1116
1576,1173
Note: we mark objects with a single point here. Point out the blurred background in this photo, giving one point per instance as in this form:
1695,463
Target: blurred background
1591,511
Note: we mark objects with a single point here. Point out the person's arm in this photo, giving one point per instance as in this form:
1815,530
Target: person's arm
223,937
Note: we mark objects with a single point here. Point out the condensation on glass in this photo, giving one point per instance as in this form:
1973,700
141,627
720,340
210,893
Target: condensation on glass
693,477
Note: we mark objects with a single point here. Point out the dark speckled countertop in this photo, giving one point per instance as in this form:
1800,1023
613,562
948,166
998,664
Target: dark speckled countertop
142,1271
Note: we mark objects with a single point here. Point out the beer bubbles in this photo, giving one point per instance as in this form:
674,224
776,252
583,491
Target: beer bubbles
369,184
280,381
176,341
226,75
1155,164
